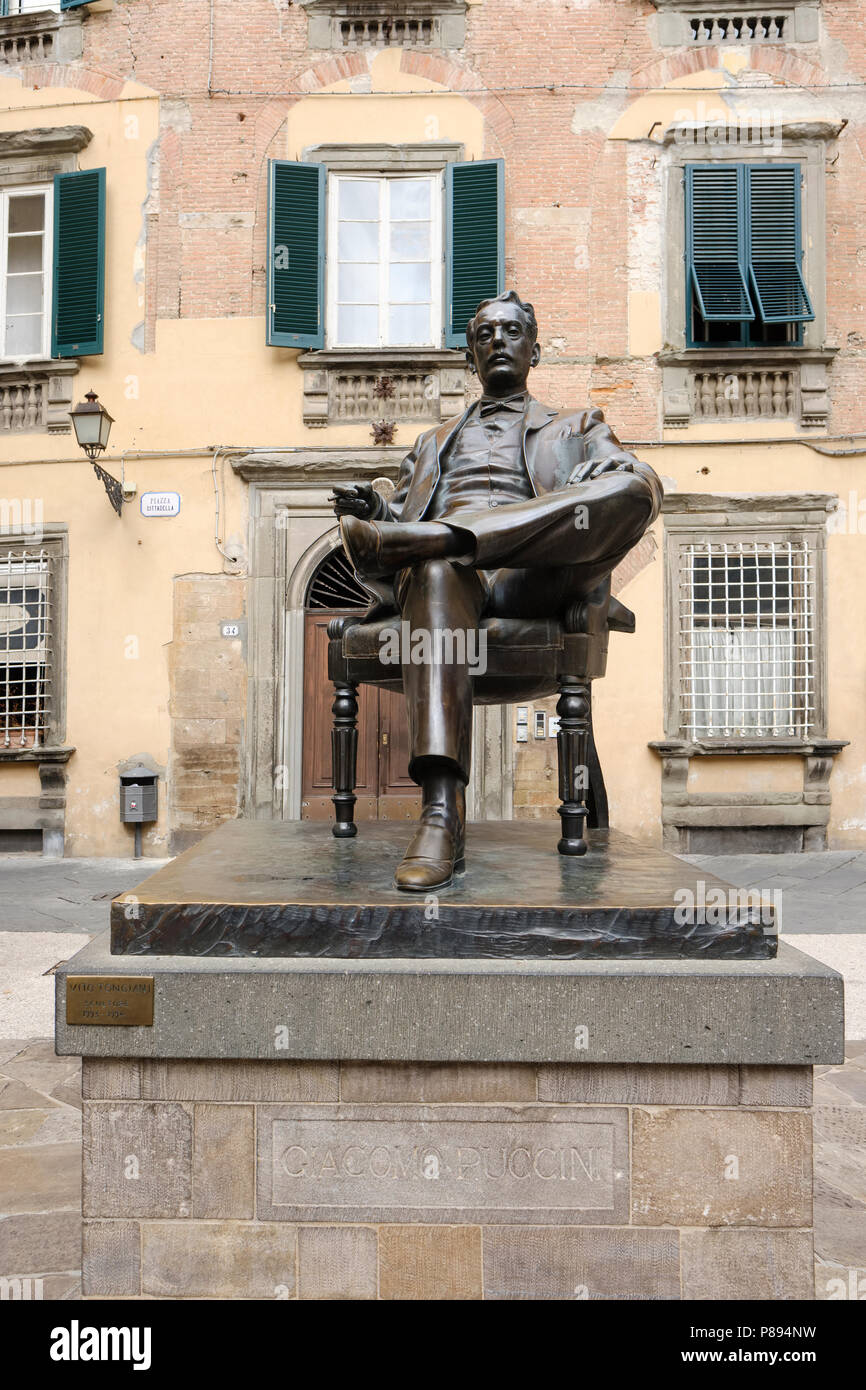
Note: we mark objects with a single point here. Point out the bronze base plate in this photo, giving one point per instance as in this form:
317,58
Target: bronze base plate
289,888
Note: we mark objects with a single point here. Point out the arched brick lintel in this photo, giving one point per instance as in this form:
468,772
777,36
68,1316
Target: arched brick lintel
776,60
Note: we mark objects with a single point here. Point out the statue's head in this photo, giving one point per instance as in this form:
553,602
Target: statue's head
502,343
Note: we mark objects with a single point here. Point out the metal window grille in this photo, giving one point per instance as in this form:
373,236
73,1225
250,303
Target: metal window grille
335,585
26,647
747,639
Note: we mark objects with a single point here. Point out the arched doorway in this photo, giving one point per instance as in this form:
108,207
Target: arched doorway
384,788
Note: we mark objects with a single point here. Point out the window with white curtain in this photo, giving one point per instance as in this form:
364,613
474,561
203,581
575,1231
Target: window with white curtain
384,261
746,629
25,272
26,646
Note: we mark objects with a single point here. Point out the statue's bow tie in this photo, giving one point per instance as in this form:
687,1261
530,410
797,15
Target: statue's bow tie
490,405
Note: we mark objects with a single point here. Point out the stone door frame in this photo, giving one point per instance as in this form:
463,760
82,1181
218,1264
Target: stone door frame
292,530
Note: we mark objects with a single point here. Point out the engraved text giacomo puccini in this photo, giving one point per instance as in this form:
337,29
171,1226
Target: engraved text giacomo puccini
463,1162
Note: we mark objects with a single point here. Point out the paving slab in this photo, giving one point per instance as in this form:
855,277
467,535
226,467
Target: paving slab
15,1095
64,895
26,992
41,1243
40,1178
823,892
60,1126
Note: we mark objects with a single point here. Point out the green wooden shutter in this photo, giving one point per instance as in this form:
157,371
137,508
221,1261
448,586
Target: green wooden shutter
775,249
73,4
716,242
475,241
79,264
296,254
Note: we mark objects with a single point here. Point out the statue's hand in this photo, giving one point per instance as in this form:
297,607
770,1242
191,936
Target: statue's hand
354,499
594,468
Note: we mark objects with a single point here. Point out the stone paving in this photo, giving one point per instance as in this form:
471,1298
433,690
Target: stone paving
819,892
40,1166
48,909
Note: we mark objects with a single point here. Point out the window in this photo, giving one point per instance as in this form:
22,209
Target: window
10,7
383,250
335,585
52,288
746,634
13,7
744,253
25,237
384,281
26,647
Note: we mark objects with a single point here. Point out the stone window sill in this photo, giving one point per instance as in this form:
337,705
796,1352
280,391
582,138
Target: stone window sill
359,385
37,399
760,747
48,753
724,385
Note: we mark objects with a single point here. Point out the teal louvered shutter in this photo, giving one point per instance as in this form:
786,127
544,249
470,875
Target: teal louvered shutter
716,242
73,4
775,250
77,327
296,254
475,241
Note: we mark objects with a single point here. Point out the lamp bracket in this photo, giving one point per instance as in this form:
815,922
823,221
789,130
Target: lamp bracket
112,486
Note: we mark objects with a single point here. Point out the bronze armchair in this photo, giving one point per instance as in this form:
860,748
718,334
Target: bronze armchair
526,659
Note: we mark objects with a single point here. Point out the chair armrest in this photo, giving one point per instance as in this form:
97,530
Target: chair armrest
620,618
338,626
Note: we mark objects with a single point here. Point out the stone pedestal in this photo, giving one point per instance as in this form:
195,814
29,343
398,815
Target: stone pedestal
430,1129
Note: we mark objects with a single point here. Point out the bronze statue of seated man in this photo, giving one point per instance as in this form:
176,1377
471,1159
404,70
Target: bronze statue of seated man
512,509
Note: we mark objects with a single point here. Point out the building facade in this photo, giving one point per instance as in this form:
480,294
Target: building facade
256,229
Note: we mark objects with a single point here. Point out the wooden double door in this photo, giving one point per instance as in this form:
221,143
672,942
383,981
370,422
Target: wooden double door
384,789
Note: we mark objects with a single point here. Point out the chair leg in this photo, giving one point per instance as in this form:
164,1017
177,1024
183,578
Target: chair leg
344,758
572,745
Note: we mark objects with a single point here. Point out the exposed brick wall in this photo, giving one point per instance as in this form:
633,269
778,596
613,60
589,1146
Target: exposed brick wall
549,79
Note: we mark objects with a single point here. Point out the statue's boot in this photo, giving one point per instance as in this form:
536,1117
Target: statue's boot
436,850
377,548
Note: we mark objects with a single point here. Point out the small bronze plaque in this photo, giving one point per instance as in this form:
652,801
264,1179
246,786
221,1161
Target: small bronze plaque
116,1000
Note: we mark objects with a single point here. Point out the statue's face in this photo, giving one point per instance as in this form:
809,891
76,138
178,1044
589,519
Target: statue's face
503,350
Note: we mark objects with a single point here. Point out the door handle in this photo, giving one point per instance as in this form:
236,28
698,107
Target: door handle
384,738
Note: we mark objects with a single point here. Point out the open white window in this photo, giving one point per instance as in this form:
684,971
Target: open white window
25,272
384,261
